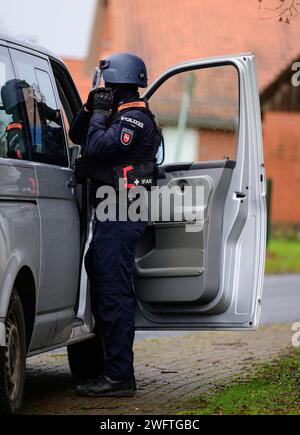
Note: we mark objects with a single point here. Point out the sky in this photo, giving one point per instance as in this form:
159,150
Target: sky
62,26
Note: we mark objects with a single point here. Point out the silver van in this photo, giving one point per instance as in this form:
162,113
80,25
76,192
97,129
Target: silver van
189,275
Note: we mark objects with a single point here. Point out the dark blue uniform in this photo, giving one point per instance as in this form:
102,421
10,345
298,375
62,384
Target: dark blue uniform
121,138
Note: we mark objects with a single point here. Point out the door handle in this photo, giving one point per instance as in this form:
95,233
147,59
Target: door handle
239,195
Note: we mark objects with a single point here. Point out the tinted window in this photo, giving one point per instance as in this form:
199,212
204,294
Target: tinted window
45,123
13,137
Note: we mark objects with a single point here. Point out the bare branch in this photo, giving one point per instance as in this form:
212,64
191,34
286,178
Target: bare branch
284,12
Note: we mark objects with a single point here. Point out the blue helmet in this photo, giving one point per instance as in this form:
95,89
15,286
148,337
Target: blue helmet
124,69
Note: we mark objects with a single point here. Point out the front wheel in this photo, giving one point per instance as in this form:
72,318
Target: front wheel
13,359
86,359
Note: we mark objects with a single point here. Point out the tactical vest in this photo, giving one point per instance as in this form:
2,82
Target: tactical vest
135,171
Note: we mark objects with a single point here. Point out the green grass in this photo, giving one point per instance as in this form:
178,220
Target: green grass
283,256
274,389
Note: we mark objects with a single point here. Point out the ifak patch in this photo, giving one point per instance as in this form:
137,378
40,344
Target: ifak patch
126,136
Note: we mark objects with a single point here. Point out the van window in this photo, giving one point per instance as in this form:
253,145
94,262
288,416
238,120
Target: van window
199,113
48,144
13,136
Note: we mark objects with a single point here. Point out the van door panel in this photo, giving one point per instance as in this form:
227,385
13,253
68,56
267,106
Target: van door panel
210,279
59,237
185,261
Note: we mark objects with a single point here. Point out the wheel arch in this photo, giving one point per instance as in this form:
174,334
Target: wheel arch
25,286
24,282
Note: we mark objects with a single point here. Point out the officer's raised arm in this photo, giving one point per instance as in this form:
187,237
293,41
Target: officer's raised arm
101,138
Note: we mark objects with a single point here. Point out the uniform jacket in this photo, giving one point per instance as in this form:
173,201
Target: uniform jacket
123,137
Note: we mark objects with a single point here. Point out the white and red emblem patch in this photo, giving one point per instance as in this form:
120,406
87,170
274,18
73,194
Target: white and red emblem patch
126,136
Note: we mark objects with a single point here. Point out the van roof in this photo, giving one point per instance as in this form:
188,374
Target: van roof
28,44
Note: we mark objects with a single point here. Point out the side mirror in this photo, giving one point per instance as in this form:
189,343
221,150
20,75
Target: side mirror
74,153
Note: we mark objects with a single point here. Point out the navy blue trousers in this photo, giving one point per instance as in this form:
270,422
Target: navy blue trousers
109,264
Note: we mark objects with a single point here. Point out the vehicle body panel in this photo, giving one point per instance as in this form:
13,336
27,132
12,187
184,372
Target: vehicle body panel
189,281
48,242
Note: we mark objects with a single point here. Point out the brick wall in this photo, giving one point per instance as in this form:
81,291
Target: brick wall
281,131
217,145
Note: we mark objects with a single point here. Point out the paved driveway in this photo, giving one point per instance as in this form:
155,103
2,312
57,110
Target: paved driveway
169,372
171,368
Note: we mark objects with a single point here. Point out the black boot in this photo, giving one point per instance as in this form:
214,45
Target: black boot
106,387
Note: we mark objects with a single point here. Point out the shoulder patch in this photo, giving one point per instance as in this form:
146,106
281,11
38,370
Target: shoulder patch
132,121
126,136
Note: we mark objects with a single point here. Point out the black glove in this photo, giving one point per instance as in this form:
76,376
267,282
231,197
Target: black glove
100,99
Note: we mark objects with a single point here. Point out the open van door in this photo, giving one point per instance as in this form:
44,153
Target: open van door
207,274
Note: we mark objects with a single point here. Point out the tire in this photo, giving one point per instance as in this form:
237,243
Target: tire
86,359
13,359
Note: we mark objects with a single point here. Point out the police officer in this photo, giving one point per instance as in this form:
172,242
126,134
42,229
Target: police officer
116,128
17,98
12,98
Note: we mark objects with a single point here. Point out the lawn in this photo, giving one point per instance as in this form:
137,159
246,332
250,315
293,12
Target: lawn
274,389
283,256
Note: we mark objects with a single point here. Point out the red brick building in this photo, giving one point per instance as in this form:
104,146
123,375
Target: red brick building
165,32
281,127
